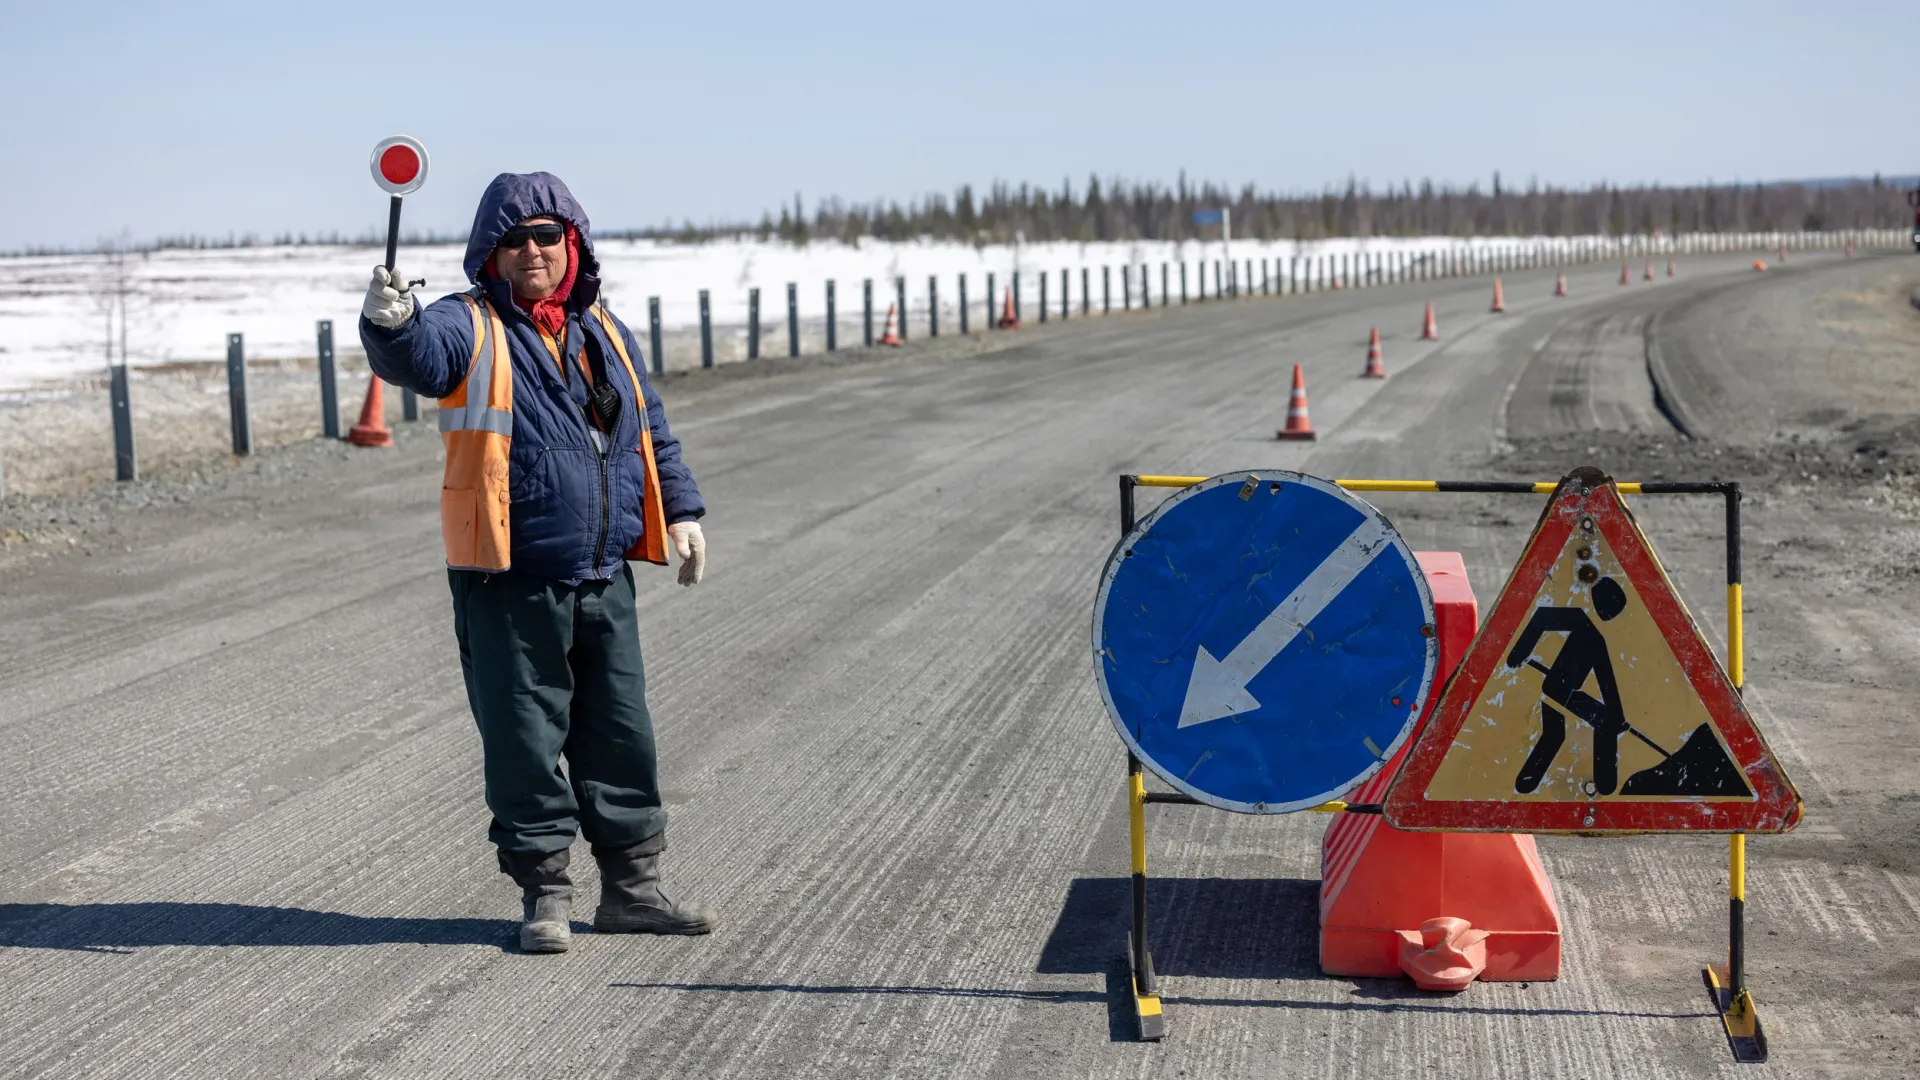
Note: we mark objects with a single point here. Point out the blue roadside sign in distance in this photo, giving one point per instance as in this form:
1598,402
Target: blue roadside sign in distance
1264,641
1206,217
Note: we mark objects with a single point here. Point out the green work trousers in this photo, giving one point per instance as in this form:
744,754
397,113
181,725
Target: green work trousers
553,670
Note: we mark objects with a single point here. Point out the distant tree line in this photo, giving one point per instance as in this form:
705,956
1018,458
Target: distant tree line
1118,210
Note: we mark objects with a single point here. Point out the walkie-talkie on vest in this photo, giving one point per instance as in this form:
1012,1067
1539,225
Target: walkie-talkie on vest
606,400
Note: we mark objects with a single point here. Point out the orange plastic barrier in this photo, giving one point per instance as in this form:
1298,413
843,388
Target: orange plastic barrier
1384,893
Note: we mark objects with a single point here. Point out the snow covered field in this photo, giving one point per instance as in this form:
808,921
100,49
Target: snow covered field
183,304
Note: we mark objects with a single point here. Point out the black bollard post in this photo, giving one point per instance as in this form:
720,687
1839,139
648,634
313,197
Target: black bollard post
866,313
1183,283
653,335
900,299
1016,296
706,331
125,465
992,323
329,390
833,319
1146,296
793,319
1106,290
753,323
933,306
1043,296
1164,294
963,305
1126,288
1066,308
237,395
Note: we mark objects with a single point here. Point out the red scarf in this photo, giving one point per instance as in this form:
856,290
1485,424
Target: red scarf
548,313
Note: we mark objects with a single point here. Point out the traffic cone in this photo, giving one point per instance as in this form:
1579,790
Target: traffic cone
1375,368
1759,264
889,337
1649,275
1499,298
1560,284
1008,320
1671,272
372,429
1429,331
1298,425
1626,275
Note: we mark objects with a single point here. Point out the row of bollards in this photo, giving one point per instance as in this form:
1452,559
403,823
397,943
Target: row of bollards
125,458
1230,278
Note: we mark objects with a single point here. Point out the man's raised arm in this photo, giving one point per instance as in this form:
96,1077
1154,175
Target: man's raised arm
424,351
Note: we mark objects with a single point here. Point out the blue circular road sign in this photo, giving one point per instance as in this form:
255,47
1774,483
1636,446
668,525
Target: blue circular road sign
1264,641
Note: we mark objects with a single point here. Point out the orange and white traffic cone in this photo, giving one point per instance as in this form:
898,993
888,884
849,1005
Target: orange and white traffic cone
1560,284
372,429
1008,320
1499,298
1759,264
1429,331
1649,274
1671,270
889,337
1298,424
1375,368
1626,274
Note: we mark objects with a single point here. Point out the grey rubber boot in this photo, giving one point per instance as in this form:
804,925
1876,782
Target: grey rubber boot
631,899
546,899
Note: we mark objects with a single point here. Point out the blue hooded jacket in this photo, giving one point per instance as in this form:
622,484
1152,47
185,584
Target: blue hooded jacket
575,510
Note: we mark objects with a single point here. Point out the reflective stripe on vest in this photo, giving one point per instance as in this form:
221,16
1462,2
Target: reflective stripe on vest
476,423
479,414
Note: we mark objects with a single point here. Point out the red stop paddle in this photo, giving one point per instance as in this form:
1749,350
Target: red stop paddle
399,167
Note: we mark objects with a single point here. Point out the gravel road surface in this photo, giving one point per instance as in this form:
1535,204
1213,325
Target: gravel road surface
242,818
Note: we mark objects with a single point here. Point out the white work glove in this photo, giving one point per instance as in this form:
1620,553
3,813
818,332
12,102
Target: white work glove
692,546
389,305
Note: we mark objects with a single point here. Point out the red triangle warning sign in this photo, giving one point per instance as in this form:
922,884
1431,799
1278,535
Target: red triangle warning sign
1589,701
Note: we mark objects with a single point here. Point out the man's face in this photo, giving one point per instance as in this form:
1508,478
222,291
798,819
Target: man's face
534,269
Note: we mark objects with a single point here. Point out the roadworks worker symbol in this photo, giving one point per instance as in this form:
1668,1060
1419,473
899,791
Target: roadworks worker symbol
1589,702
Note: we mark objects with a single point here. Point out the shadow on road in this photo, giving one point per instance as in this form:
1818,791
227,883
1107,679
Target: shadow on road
121,928
1224,928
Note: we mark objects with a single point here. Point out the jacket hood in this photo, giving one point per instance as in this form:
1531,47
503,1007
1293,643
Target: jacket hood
514,197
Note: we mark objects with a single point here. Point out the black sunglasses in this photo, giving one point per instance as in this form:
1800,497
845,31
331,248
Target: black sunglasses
546,235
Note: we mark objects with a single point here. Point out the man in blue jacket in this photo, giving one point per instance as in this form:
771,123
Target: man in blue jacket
560,468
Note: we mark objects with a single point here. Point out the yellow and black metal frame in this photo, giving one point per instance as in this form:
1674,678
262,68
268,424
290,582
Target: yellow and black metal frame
1726,983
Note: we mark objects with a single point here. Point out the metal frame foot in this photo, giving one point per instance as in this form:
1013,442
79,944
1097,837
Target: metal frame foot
1745,1037
1146,999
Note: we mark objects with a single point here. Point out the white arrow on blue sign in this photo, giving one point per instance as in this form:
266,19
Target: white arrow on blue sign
1264,641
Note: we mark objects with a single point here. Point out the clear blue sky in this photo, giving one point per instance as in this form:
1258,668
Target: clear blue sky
259,117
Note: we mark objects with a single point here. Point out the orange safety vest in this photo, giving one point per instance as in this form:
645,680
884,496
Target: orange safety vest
476,422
